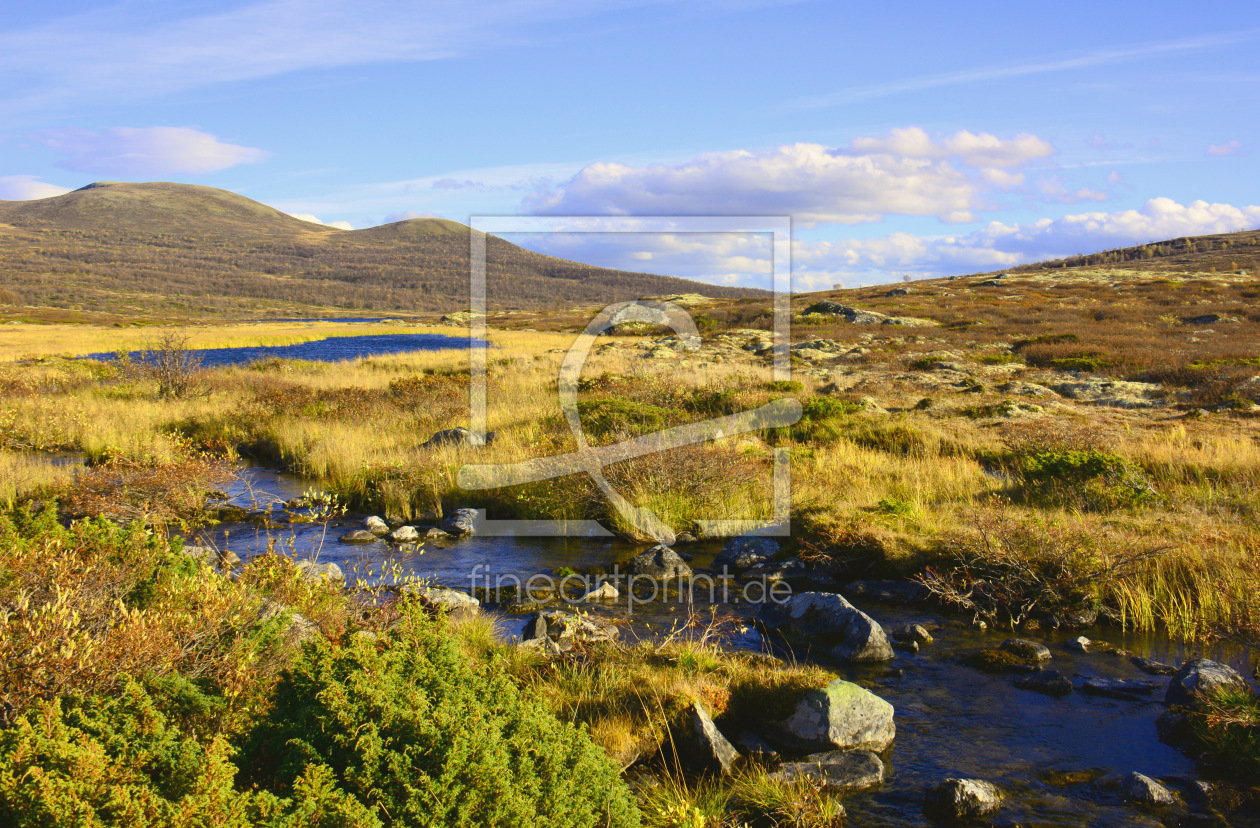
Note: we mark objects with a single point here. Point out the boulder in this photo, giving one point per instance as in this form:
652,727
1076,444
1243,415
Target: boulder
744,552
659,562
459,523
1026,650
405,534
358,536
756,747
1049,682
840,716
376,525
1200,679
828,619
912,632
708,749
458,437
434,533
604,592
836,771
962,799
320,571
1143,790
450,600
1080,644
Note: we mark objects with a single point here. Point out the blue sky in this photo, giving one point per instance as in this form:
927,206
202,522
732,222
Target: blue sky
901,137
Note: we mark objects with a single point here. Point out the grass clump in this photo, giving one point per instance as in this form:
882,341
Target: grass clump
1084,478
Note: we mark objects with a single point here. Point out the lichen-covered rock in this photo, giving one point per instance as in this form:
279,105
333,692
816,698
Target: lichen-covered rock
358,536
840,716
376,525
458,437
828,619
461,522
1143,790
405,534
450,600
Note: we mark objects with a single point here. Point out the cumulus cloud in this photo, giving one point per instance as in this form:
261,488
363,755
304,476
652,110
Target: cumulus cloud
340,225
146,152
26,188
746,258
1005,245
906,172
1230,148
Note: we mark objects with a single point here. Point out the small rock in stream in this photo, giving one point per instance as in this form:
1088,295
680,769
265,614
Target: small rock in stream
1027,650
1143,790
963,799
1049,682
1119,689
1154,668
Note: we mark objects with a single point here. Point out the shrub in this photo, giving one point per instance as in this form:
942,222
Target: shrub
615,415
1086,478
120,761
786,386
427,739
1229,728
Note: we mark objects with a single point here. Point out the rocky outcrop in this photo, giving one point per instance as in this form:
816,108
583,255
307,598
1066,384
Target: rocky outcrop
836,771
557,631
826,619
963,799
1114,393
1201,679
858,316
840,716
659,562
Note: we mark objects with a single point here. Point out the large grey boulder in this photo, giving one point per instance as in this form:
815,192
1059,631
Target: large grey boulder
709,750
840,716
828,619
1200,679
659,562
836,771
459,523
962,799
744,552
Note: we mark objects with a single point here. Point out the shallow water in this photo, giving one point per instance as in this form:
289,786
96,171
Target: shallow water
332,349
951,720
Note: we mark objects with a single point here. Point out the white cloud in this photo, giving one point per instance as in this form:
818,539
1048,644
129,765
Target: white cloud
1002,245
1230,148
27,187
746,258
905,172
145,152
340,225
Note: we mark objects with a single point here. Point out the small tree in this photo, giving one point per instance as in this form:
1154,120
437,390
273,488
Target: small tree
172,365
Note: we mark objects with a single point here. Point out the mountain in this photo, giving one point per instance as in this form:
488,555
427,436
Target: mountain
162,249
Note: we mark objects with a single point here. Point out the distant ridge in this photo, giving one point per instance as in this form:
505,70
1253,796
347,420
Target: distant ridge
162,248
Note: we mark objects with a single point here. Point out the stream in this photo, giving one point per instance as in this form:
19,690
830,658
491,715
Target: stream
952,720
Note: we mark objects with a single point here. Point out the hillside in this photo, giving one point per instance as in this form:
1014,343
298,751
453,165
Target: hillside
154,249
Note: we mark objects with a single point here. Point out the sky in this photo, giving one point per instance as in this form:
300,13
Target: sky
900,138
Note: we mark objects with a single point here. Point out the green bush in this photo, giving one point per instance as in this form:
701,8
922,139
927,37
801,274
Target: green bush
1084,478
120,761
786,386
428,740
615,415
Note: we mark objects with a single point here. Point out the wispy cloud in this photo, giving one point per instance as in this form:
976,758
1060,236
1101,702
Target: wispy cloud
1229,148
129,51
1040,67
145,152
